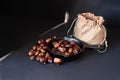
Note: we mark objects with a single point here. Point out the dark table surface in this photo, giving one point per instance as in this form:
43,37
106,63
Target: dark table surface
90,66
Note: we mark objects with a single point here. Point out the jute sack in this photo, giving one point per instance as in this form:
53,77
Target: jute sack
90,30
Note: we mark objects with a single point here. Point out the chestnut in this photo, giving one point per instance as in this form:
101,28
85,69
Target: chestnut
45,47
65,42
30,53
67,54
62,49
38,48
43,60
38,58
62,45
54,49
42,50
37,52
50,59
40,41
61,41
56,44
48,40
57,60
47,55
68,45
34,48
70,50
42,54
75,51
42,44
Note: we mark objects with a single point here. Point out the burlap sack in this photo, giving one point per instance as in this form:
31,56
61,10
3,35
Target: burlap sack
89,29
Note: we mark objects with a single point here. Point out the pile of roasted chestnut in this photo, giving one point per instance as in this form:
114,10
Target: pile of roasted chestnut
40,52
65,47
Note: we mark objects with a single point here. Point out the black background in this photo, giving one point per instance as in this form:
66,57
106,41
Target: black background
45,9
23,20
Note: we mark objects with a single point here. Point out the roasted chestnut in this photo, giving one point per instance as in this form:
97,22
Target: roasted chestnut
65,47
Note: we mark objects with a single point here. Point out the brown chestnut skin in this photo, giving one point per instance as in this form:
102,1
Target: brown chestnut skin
30,53
38,48
42,54
47,55
48,40
62,49
66,42
38,58
34,48
68,45
56,44
61,41
76,47
43,60
40,41
70,50
37,53
62,45
42,44
54,49
57,60
45,47
67,54
42,50
50,59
